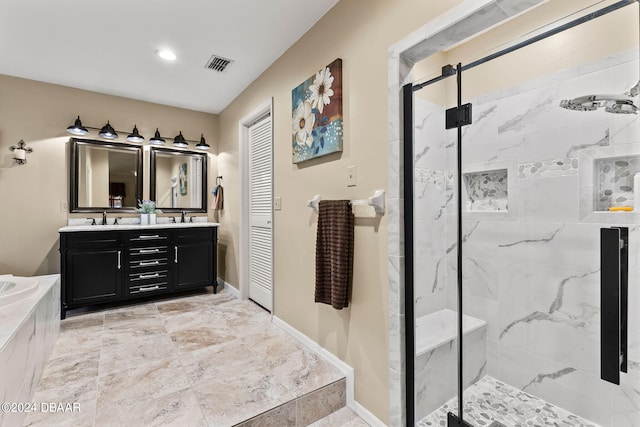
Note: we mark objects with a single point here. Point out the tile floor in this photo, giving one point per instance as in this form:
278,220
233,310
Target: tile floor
201,360
490,400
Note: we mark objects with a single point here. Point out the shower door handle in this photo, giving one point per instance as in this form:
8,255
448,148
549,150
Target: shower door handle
614,273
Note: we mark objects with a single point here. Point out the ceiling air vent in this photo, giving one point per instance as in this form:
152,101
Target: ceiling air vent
218,63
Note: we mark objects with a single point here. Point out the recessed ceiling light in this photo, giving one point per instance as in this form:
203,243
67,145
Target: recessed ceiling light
166,54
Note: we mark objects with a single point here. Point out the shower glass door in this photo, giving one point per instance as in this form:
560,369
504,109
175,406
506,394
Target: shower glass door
551,335
434,243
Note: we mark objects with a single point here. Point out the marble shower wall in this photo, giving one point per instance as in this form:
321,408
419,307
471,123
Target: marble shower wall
431,197
534,276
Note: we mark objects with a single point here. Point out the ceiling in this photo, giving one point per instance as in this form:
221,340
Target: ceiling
109,46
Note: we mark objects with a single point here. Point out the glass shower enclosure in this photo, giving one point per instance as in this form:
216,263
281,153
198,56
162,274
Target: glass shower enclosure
522,217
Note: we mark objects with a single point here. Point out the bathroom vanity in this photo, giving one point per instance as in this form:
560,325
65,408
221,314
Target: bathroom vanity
106,264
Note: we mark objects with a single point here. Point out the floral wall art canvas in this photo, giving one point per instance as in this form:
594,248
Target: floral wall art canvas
317,114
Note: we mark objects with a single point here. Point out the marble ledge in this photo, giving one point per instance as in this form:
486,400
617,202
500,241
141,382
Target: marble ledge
14,314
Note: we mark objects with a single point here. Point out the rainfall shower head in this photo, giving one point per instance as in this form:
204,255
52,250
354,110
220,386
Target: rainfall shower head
617,104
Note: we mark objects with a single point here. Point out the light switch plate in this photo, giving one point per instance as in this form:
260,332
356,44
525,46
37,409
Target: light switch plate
352,176
277,203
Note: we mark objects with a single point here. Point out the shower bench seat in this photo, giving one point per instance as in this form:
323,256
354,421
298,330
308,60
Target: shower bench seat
436,357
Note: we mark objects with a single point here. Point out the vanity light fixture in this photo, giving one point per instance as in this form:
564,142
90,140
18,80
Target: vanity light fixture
179,141
156,139
134,136
108,132
77,128
20,152
202,145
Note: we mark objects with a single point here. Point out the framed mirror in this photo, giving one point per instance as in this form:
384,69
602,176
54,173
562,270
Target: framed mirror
104,176
178,180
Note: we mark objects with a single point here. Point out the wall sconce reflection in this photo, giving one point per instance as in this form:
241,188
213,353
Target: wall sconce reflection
20,152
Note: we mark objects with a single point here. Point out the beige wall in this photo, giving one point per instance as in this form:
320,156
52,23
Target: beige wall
360,32
31,195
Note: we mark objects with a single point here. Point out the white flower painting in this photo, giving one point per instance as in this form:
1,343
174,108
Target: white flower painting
316,120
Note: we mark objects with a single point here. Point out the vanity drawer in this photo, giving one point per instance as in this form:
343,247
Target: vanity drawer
149,288
147,252
144,264
193,234
148,236
143,277
92,238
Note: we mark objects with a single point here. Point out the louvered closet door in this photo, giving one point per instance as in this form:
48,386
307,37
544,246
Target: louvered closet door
260,218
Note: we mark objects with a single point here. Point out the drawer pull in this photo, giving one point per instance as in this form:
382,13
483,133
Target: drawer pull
149,276
154,236
149,251
145,263
150,288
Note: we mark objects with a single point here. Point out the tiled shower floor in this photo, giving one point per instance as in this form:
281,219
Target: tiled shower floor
201,360
490,400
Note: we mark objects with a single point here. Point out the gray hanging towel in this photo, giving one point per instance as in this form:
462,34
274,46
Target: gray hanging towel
334,253
218,198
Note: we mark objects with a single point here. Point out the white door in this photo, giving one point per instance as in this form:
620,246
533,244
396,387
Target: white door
261,212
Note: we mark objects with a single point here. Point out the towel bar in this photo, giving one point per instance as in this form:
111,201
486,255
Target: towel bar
377,201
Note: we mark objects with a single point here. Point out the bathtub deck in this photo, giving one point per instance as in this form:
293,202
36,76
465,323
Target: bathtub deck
28,330
13,315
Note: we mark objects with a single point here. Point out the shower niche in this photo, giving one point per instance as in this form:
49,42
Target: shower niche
488,191
607,184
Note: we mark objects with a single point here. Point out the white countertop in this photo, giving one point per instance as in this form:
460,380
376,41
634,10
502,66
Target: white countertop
73,228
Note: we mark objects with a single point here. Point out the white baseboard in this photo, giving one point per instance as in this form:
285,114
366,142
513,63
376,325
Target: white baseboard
366,415
329,357
230,288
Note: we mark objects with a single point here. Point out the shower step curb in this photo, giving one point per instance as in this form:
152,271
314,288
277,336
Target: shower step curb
303,410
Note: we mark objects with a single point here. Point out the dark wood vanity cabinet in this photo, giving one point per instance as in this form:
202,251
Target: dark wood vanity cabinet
95,255
110,266
192,248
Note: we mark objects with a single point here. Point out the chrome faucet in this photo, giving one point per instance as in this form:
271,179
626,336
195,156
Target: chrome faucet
183,215
104,218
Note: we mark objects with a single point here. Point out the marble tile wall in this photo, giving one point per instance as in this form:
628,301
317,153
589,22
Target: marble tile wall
25,354
534,277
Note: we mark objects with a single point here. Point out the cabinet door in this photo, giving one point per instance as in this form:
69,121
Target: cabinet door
95,275
193,264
